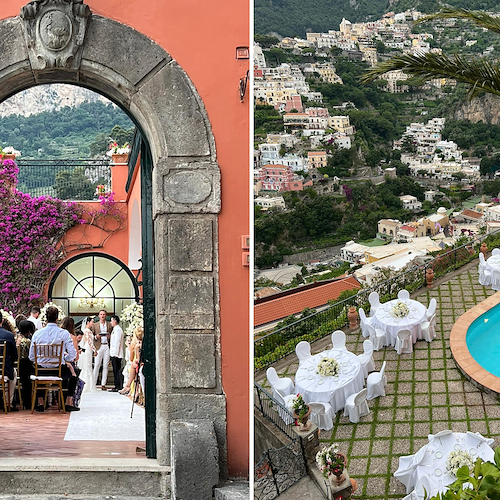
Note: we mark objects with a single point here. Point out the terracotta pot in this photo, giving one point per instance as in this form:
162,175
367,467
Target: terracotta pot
304,422
120,158
8,156
354,485
352,316
429,277
483,249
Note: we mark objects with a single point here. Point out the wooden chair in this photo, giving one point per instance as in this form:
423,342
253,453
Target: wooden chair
16,366
3,378
49,381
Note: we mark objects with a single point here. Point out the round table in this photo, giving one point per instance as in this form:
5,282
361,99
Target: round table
427,468
325,389
384,320
493,263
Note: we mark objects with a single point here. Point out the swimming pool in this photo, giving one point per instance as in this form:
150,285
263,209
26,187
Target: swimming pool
483,340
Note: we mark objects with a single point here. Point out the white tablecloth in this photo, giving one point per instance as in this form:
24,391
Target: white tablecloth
384,320
493,263
333,390
428,466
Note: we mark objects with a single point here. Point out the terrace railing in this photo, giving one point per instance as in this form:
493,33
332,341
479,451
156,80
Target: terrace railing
63,178
282,341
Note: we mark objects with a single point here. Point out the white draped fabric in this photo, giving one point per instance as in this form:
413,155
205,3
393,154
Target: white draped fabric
384,320
493,266
428,466
333,390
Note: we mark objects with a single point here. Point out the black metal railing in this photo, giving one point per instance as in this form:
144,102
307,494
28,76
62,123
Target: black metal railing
282,341
278,470
274,411
64,178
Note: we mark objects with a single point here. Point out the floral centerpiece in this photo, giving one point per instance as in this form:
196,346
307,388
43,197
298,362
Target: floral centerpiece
100,190
301,412
134,316
328,367
10,151
43,312
331,463
8,316
115,149
400,310
458,459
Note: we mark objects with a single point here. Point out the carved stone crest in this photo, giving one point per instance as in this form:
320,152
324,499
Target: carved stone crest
55,31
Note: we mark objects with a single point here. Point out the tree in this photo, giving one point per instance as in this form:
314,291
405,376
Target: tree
73,185
479,73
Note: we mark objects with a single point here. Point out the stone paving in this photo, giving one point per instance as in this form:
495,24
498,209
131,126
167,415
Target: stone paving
425,394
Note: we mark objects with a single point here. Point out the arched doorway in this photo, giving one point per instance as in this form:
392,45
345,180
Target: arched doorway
180,195
88,282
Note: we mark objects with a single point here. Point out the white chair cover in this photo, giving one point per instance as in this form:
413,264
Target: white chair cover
403,294
407,466
446,432
322,415
495,279
428,329
303,351
338,340
482,260
377,337
404,344
356,406
286,401
284,385
485,276
495,251
363,321
376,382
431,309
374,301
366,359
479,438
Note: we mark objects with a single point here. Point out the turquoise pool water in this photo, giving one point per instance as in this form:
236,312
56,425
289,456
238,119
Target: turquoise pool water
483,340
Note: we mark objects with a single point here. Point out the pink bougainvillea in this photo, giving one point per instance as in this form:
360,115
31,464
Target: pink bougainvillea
31,229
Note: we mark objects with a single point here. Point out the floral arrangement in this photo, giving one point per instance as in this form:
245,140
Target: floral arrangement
9,150
400,310
299,406
458,459
100,190
43,312
328,367
134,316
115,149
6,315
330,461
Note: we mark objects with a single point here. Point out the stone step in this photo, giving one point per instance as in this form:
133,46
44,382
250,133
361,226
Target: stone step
82,478
232,490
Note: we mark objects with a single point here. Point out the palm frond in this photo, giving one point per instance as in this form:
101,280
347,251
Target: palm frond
478,17
479,73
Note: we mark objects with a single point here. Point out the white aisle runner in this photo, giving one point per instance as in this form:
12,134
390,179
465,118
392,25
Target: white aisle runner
105,416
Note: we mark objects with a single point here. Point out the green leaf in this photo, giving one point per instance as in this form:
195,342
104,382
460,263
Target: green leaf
497,456
477,468
463,473
488,469
487,484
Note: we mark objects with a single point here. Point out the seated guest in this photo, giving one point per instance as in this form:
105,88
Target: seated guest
52,334
68,323
19,318
26,330
8,337
135,356
35,313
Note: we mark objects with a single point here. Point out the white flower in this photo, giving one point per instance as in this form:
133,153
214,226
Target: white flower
6,315
457,459
133,315
43,313
9,150
328,367
400,310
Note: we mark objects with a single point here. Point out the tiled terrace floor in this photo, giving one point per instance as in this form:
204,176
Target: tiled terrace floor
425,394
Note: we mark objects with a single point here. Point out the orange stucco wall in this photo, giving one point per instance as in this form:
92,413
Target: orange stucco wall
203,36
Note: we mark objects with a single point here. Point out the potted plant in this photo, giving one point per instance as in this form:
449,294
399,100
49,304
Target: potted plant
331,463
119,154
9,153
301,413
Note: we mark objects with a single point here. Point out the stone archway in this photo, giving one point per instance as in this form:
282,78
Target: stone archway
137,74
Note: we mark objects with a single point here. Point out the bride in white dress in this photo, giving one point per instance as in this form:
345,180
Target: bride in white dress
85,359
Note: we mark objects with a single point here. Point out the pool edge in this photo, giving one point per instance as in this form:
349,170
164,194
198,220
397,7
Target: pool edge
467,365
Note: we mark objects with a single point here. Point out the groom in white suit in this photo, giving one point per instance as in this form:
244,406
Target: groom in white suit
102,331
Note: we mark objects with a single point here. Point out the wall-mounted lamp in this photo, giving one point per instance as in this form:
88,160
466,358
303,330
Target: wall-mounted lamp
242,53
245,246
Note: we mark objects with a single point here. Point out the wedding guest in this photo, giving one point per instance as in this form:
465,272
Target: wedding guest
135,356
19,318
35,313
7,325
26,331
116,352
102,330
52,334
11,357
68,323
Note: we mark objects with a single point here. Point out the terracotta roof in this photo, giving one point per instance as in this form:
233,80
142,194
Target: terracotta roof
408,228
470,214
281,307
